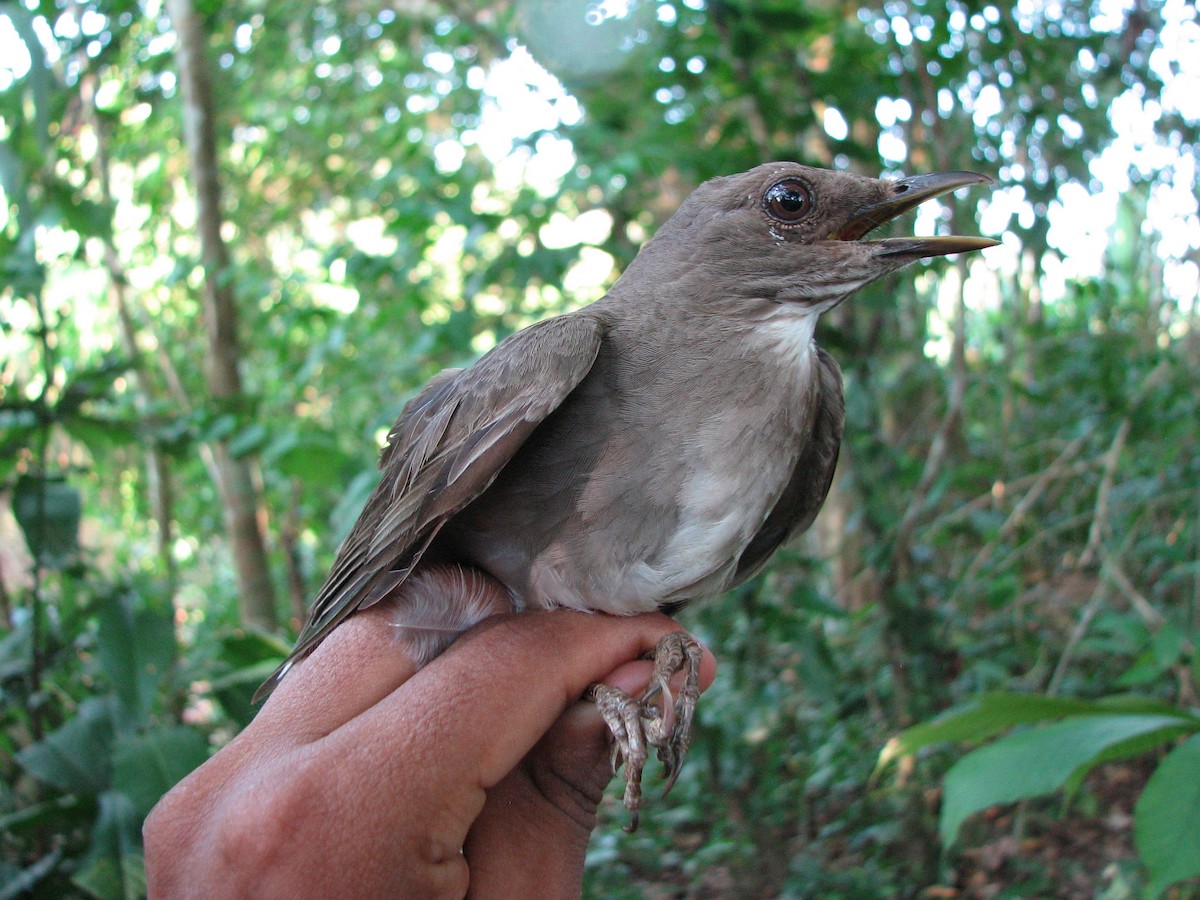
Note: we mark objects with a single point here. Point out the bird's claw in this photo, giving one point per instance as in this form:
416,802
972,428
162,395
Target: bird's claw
637,725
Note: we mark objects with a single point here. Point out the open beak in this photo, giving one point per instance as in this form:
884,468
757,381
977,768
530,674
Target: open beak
906,194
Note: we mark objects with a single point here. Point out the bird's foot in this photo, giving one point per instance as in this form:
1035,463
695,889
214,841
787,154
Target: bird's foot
666,725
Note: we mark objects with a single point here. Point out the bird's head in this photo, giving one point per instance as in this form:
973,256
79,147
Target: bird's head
791,234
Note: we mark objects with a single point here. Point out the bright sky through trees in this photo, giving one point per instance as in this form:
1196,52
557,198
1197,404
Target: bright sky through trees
522,98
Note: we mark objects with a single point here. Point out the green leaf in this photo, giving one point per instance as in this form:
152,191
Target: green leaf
100,434
1033,762
1166,819
980,719
218,428
114,866
90,383
16,651
75,758
1168,645
1132,747
992,713
1137,703
315,461
250,439
136,649
16,882
246,647
354,498
251,657
80,214
148,765
46,815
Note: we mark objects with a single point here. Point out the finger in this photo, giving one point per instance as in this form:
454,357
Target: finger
377,650
362,661
532,835
573,762
475,712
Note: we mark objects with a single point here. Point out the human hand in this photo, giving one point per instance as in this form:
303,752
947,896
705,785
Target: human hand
479,774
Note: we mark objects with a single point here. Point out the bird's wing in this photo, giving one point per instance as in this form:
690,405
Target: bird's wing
449,444
805,491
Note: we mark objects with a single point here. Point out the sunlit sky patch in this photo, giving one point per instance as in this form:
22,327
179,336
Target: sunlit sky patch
522,99
1080,219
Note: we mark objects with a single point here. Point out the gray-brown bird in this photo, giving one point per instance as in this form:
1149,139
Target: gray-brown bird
653,448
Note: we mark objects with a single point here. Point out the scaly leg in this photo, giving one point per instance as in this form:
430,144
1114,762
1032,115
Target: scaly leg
637,725
676,652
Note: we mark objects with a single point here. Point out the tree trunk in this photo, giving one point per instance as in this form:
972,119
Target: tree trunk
235,477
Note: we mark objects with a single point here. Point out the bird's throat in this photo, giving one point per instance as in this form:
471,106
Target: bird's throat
789,335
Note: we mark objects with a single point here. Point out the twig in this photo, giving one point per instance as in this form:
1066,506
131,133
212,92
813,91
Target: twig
1100,511
37,611
1014,486
6,615
1112,457
1110,567
1077,633
1043,480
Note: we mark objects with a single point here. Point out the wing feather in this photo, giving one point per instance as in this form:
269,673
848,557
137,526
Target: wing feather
449,444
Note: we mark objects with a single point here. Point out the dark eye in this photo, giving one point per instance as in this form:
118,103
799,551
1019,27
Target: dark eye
788,201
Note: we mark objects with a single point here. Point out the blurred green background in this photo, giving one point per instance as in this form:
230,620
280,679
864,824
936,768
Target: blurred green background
210,314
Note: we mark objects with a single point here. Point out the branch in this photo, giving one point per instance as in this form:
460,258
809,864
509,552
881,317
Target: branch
236,482
1014,486
1111,458
1110,566
1077,633
1043,479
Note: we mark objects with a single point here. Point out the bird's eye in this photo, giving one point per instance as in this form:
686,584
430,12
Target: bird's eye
788,201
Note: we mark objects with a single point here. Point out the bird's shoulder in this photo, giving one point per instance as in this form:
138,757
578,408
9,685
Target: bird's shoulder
522,379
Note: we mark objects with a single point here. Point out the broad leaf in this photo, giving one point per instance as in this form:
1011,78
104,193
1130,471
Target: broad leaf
992,713
1033,762
75,758
354,497
16,651
48,815
980,719
243,648
1167,818
147,766
316,461
136,648
1134,746
250,439
114,867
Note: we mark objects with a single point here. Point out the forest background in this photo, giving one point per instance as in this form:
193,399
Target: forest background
976,677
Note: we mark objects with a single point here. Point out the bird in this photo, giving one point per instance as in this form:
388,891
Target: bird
647,450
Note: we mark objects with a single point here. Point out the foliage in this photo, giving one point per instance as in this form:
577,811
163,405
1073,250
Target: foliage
1015,514
93,747
1073,737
